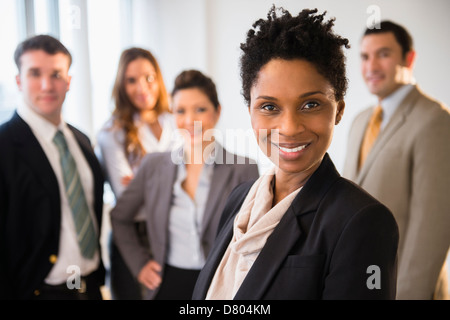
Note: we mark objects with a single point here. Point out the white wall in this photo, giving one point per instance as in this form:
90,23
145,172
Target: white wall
206,34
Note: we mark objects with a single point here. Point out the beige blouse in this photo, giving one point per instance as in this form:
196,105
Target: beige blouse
252,226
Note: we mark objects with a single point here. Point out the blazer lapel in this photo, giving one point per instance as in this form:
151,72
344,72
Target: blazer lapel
31,151
218,182
277,247
354,145
163,196
96,169
398,119
220,246
287,233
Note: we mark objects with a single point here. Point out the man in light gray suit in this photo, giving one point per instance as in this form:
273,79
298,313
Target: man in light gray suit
408,166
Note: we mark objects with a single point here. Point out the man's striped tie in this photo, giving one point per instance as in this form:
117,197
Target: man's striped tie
86,234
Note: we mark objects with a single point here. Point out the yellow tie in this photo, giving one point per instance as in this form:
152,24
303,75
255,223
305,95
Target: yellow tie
371,134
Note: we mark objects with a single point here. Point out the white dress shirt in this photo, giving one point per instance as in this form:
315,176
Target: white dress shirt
111,142
69,253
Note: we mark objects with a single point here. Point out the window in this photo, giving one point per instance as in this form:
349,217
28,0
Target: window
46,17
10,21
105,47
22,19
94,38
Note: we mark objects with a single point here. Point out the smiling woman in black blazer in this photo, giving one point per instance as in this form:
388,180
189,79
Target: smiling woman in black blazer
300,231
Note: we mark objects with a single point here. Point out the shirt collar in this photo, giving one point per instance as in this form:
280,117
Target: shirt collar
178,155
207,166
391,103
38,124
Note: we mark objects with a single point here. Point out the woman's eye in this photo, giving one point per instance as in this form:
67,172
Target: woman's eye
310,105
150,78
268,107
201,109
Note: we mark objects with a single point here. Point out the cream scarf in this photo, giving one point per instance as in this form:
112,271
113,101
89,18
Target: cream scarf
252,226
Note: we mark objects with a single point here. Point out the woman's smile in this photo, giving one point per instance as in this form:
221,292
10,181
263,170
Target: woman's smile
292,153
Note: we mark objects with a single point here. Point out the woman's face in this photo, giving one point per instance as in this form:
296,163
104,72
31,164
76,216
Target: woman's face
293,113
195,115
141,85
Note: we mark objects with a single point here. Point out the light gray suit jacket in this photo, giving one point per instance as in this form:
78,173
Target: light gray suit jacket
152,188
408,170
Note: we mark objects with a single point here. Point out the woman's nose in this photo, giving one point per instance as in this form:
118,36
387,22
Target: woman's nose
291,124
142,86
190,118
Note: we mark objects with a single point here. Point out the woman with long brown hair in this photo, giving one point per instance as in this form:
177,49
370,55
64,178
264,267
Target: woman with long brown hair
141,123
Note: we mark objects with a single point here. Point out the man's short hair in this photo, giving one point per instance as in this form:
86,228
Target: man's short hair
402,36
46,43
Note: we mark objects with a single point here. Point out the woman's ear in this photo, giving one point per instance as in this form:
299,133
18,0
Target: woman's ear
218,111
340,111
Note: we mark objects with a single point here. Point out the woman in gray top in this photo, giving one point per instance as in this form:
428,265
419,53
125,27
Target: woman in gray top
183,194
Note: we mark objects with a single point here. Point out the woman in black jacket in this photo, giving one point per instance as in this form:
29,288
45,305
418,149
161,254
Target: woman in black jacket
300,231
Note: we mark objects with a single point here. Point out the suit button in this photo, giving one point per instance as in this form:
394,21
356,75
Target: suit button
53,258
36,292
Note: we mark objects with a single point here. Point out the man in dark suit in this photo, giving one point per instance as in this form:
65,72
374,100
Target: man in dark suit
51,187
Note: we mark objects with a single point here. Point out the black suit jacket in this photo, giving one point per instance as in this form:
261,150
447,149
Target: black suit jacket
30,210
322,248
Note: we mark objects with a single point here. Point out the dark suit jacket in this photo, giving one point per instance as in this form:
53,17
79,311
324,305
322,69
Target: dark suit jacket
152,188
30,210
321,249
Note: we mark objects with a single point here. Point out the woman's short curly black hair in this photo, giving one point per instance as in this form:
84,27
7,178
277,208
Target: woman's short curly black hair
305,37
